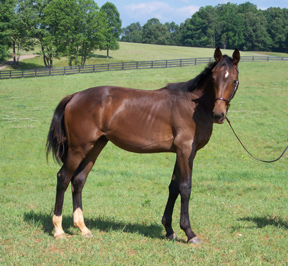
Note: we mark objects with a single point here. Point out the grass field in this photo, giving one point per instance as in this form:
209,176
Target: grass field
129,52
238,206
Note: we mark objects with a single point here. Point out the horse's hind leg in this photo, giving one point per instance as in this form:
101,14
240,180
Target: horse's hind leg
173,194
64,177
78,182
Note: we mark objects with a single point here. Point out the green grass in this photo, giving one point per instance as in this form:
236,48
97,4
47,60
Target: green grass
129,52
238,206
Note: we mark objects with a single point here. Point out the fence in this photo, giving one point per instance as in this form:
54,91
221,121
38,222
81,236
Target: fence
43,72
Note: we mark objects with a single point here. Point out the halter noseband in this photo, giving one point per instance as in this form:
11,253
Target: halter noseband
231,96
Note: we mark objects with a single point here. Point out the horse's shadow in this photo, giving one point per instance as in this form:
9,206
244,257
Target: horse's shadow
103,223
266,220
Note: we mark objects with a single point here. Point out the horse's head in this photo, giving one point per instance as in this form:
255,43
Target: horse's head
225,76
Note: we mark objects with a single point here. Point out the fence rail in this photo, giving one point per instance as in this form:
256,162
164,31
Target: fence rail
43,72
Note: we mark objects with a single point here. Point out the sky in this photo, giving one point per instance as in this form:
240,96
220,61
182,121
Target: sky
173,10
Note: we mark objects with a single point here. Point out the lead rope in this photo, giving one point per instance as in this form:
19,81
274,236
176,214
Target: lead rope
264,161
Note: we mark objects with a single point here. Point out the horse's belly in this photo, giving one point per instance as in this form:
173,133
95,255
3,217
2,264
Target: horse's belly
139,143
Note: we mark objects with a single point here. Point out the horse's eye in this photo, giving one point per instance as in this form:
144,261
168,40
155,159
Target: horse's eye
235,81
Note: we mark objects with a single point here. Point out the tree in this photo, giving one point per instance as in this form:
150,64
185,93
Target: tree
230,26
173,30
6,14
113,29
92,24
73,28
20,34
43,33
277,28
255,34
61,20
201,29
155,33
132,33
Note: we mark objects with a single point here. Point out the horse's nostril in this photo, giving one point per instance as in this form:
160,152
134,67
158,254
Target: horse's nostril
218,116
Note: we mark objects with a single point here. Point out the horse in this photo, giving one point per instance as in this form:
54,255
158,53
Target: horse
177,118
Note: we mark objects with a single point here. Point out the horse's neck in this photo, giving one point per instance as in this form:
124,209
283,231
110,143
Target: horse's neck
204,93
196,94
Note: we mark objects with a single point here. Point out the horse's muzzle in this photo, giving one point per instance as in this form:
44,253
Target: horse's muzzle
218,118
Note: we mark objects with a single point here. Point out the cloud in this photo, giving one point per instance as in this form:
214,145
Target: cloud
187,11
161,10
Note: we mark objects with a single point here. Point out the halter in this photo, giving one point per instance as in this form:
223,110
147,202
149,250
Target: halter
231,96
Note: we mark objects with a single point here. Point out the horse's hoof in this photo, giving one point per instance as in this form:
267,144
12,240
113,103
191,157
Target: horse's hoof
88,235
60,236
194,240
172,237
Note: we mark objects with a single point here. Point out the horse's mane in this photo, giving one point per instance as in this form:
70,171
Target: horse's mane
190,85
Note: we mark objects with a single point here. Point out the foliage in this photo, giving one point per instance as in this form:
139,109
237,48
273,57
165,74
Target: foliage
19,32
155,33
113,28
72,28
277,28
43,33
201,31
225,25
6,14
132,33
92,26
75,27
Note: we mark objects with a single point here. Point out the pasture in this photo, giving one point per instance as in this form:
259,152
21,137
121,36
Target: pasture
128,52
238,206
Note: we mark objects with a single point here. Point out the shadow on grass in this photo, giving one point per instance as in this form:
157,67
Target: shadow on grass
24,65
99,56
265,221
103,223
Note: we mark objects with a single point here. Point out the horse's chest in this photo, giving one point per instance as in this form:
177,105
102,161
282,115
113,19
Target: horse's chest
202,135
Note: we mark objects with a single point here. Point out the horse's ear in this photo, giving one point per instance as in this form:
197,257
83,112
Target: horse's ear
218,55
236,57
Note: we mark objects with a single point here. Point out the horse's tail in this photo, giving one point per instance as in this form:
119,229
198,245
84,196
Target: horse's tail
57,138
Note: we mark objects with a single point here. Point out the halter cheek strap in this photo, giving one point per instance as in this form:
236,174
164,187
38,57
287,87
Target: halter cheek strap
232,95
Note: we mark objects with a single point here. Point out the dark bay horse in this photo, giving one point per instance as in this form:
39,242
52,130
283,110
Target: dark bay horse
177,118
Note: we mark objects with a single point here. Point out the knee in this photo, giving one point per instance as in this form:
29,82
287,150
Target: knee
185,190
77,184
62,183
174,188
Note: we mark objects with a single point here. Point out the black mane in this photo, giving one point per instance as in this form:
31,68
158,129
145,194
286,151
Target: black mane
191,84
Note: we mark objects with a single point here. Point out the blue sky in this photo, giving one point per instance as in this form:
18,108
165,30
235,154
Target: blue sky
173,10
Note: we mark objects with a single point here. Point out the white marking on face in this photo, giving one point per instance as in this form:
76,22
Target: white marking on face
226,74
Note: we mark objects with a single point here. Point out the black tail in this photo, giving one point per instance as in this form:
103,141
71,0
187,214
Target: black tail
56,139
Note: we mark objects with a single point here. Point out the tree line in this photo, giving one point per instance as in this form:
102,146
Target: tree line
75,28
225,25
72,28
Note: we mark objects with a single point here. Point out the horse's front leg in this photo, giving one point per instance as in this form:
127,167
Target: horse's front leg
173,194
185,162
